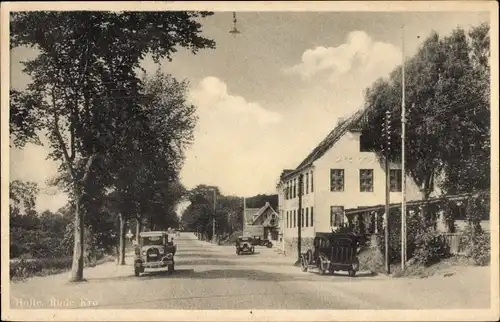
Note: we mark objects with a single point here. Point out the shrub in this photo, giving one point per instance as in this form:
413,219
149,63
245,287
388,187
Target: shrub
477,246
24,268
431,247
476,240
413,229
371,259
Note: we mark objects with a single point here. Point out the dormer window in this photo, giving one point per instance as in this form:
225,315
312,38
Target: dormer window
365,144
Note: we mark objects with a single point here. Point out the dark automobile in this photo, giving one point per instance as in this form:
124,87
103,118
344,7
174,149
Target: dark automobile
333,252
154,251
244,246
258,241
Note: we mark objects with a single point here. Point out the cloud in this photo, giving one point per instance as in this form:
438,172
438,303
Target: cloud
233,138
212,94
360,55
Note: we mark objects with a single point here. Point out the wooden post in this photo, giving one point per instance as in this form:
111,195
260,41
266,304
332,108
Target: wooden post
387,197
299,226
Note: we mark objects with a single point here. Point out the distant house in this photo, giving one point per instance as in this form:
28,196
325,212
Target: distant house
264,220
340,174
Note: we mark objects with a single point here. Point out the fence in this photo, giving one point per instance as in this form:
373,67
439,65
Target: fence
455,243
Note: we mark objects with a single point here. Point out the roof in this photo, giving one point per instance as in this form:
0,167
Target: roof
261,211
464,196
249,214
350,124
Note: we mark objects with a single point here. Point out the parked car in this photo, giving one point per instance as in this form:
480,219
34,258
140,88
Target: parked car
154,250
244,246
258,241
333,252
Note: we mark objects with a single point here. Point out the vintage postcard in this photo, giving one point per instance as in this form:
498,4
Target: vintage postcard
249,161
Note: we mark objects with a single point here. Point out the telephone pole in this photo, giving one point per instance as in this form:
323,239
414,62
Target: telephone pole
299,226
387,188
213,220
403,156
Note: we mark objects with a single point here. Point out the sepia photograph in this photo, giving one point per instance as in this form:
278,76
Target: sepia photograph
237,161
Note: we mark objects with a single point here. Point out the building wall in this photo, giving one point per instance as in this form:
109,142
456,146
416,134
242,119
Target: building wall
346,155
290,231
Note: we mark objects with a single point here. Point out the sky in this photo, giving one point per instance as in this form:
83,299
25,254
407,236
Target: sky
267,96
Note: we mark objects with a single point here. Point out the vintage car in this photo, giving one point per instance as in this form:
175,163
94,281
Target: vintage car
258,241
333,252
244,245
154,250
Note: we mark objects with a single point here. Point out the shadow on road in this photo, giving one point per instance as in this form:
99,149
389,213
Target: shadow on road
249,274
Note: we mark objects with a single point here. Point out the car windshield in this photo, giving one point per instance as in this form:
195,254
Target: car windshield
152,240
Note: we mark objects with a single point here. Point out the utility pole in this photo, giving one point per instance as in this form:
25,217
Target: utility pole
243,217
387,189
213,222
403,156
299,226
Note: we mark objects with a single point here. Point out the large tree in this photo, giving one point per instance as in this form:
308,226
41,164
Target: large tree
84,91
447,100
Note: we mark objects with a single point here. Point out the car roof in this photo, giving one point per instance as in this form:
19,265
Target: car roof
153,233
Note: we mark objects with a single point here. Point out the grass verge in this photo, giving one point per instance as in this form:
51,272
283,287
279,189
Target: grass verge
26,268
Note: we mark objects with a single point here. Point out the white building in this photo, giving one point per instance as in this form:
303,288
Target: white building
338,174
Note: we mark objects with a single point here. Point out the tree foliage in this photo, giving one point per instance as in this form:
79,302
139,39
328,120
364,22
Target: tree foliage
22,196
447,111
85,92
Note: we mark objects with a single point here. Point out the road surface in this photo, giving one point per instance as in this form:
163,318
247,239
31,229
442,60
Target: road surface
210,277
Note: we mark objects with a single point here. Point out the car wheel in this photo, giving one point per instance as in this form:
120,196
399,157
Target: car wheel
253,250
269,245
351,272
137,271
323,267
303,266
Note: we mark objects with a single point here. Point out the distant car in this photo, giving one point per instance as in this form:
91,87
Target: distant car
258,241
154,251
244,246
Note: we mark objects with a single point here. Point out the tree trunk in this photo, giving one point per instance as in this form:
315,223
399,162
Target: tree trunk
78,248
427,190
122,240
137,230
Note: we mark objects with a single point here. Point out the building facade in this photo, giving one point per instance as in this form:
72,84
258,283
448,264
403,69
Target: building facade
339,174
263,222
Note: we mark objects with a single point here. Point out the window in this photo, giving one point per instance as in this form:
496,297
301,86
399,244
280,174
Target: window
307,182
312,182
366,180
294,219
307,217
364,143
337,179
312,217
336,216
294,188
395,180
287,220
